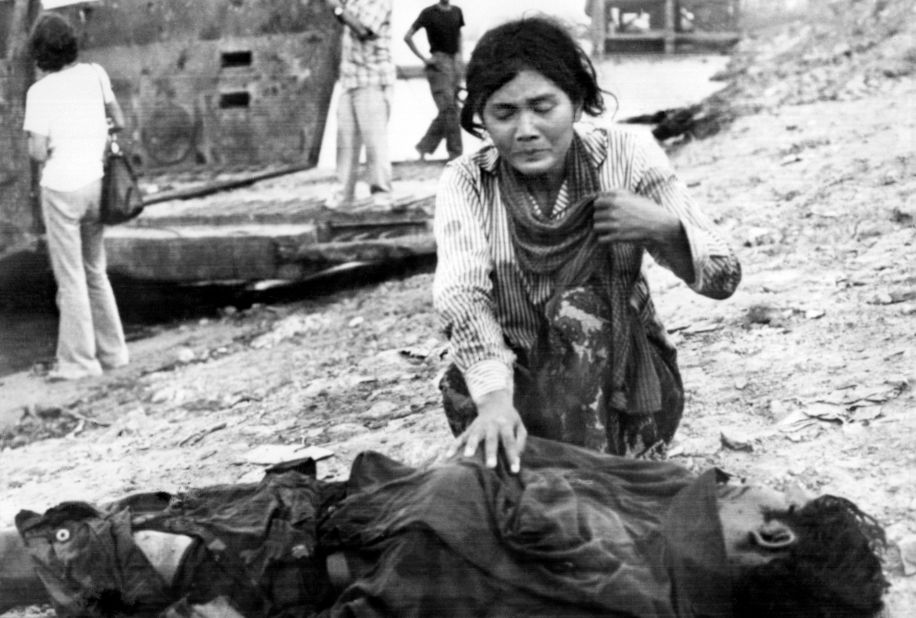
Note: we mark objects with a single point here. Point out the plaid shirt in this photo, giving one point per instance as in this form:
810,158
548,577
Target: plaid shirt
488,303
367,63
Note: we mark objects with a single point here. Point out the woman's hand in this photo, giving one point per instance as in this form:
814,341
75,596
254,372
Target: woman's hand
497,423
623,216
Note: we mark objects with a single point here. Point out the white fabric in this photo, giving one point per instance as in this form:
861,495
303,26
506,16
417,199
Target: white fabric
68,108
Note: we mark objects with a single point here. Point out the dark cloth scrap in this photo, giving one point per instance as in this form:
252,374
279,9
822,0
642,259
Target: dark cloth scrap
575,533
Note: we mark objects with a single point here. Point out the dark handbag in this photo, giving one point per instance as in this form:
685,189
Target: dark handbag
121,197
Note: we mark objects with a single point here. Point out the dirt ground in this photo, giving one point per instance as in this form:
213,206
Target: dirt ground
806,376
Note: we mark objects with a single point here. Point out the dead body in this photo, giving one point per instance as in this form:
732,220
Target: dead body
575,533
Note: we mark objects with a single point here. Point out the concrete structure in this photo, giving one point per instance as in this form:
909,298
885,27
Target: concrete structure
636,26
217,84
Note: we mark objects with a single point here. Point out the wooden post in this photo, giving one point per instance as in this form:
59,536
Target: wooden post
670,23
599,27
18,217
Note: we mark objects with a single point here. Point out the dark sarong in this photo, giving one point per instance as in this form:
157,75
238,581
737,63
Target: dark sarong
561,388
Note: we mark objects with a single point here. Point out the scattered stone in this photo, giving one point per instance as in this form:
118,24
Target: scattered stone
735,441
908,554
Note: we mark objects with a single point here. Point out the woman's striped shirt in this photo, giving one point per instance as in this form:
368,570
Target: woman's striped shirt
485,299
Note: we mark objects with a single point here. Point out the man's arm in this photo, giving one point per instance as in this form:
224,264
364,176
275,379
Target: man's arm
348,19
408,38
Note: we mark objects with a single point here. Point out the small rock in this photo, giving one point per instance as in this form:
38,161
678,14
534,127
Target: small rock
736,442
763,314
356,321
908,554
380,409
814,314
185,355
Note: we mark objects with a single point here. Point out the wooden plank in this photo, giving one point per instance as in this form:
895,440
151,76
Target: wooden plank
373,250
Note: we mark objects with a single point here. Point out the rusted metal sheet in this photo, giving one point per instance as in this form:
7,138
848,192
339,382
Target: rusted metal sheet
18,216
204,84
217,82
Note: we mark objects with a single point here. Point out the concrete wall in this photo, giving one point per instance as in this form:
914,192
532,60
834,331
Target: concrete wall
216,82
18,212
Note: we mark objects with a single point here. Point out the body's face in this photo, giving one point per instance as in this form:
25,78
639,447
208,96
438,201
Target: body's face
749,538
530,120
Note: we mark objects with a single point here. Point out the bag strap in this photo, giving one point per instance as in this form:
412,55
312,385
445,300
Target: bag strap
98,75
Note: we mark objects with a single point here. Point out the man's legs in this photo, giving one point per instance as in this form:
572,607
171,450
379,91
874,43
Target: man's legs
63,215
372,106
111,348
349,145
443,84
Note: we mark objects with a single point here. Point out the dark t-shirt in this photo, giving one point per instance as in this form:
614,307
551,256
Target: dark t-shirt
443,28
575,533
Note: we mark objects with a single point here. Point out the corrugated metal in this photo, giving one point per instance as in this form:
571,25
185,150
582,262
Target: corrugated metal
203,83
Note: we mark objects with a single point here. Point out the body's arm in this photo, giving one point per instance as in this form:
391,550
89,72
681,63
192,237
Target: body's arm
20,586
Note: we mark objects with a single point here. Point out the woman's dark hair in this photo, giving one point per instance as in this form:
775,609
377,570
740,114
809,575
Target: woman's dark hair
52,43
833,571
535,44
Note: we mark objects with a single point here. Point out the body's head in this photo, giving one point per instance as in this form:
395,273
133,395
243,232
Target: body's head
528,81
53,43
818,560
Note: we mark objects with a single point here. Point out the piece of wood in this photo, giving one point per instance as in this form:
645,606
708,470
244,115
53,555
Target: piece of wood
371,250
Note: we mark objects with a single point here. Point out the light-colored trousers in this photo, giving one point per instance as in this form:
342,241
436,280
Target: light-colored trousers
90,332
362,119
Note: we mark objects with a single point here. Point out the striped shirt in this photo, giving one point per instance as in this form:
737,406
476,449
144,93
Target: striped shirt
485,299
369,62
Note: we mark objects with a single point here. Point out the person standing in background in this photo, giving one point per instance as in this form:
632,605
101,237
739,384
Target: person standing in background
443,67
67,115
367,76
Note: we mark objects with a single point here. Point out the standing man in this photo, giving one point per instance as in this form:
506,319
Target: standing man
367,77
443,23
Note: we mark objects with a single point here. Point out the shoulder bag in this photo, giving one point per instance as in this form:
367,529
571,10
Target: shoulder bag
121,198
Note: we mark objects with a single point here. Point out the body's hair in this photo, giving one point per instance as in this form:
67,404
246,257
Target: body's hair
534,44
833,571
53,43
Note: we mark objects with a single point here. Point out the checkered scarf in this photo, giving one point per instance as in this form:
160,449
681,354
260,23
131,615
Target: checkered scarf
567,249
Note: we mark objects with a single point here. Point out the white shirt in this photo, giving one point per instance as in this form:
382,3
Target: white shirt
68,107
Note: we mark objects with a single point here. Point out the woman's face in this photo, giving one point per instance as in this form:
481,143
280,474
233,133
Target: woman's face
530,120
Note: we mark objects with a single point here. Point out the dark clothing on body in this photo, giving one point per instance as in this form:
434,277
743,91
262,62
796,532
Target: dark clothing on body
575,533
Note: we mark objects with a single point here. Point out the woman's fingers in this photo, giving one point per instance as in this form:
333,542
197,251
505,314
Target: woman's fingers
492,434
513,438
